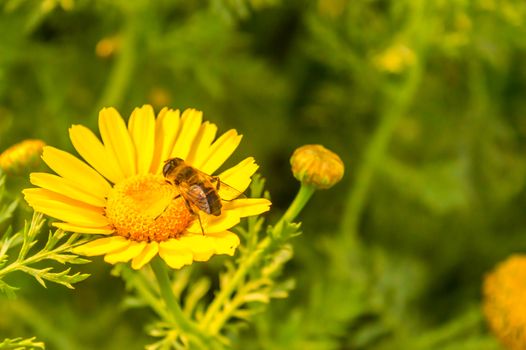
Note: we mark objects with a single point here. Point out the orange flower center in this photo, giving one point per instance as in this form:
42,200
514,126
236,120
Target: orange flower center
146,208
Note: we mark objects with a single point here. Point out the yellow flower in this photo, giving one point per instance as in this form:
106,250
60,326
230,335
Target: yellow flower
22,155
395,59
107,46
505,302
120,192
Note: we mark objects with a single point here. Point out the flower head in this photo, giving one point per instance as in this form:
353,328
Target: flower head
395,59
119,190
505,301
22,155
107,47
315,165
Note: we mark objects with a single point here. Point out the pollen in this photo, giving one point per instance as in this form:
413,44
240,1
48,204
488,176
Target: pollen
147,208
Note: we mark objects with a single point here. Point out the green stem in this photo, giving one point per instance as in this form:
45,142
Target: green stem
373,156
159,269
225,292
398,99
297,205
254,257
177,314
137,280
375,153
121,72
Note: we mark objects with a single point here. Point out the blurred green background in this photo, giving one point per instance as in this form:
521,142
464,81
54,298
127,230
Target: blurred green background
423,100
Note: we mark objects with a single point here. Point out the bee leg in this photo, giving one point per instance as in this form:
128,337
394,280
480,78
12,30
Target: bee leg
216,179
191,210
200,224
161,213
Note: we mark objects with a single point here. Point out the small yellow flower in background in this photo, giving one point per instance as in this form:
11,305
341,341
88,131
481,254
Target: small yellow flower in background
49,5
317,166
332,8
120,192
106,47
159,96
23,155
505,302
395,59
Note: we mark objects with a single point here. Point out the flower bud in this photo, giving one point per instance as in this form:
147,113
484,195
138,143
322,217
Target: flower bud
504,302
20,156
315,165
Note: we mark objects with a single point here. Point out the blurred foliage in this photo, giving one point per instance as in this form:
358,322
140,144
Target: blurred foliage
423,100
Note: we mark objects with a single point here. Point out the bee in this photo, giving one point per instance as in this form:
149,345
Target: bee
200,191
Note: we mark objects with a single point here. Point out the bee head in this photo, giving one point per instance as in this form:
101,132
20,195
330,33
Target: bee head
170,165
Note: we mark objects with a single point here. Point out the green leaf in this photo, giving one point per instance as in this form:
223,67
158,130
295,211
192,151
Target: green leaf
196,292
8,289
22,344
56,249
277,260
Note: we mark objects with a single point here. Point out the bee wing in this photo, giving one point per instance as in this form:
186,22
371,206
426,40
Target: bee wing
195,196
228,193
225,191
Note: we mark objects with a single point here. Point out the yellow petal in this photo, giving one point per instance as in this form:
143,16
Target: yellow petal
202,247
64,208
76,171
219,152
92,150
125,254
248,206
227,219
142,131
230,215
191,122
145,256
225,242
166,131
117,140
202,142
106,230
102,246
238,177
175,254
174,245
66,187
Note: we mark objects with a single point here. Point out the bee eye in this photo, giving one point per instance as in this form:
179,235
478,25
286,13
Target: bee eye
167,167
